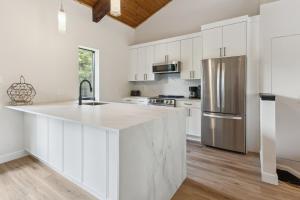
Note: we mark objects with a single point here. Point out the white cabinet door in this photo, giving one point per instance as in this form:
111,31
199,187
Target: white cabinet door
149,63
160,52
194,124
73,150
56,143
186,59
95,167
173,51
42,138
141,66
235,39
30,133
197,58
212,43
132,76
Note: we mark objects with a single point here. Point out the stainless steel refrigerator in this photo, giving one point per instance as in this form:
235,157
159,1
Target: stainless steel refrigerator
224,103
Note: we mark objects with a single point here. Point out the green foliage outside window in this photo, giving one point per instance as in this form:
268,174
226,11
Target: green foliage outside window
86,69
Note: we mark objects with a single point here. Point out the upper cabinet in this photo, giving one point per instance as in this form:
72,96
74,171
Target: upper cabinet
191,58
220,39
226,39
133,54
212,43
235,39
141,61
167,51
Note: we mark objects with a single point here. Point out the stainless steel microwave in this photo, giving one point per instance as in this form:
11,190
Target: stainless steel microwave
165,68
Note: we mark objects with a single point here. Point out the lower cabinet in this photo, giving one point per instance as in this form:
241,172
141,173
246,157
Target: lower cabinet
73,150
94,169
56,138
193,120
80,153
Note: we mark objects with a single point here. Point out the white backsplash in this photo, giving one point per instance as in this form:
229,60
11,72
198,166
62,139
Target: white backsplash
166,84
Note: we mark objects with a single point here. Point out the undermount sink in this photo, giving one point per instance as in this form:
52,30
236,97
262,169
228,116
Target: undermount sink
94,104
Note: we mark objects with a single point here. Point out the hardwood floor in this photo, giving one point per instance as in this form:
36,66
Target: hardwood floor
28,179
219,175
212,175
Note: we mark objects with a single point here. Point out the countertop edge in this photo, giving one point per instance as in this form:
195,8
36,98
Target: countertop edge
16,108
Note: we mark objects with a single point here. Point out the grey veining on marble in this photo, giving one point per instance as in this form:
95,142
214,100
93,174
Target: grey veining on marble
153,159
166,84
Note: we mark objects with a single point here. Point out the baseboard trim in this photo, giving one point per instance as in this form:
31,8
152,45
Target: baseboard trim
269,178
12,156
288,169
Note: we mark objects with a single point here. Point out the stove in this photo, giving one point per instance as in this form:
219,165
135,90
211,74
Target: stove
164,100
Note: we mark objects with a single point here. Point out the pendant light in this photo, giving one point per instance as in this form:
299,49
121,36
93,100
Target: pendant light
62,19
115,8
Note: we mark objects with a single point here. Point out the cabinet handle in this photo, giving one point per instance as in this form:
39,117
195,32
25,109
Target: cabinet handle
224,51
190,74
146,77
166,59
221,52
189,112
187,104
193,74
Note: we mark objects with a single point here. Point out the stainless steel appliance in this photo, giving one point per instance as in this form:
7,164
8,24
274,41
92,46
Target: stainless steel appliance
166,67
194,92
224,103
135,93
164,100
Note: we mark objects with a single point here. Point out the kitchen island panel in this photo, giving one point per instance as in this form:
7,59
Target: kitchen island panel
153,158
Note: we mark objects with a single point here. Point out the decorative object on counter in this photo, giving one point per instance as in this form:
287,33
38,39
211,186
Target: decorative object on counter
21,93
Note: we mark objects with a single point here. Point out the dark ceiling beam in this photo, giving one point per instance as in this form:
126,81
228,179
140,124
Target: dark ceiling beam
100,9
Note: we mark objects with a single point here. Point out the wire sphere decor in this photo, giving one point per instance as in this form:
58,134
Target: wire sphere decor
21,93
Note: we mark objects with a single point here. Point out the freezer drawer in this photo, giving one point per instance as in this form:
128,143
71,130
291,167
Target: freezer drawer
224,131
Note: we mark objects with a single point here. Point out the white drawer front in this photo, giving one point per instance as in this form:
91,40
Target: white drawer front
189,104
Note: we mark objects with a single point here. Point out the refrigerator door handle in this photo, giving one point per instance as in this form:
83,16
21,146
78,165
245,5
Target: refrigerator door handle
222,116
223,85
218,85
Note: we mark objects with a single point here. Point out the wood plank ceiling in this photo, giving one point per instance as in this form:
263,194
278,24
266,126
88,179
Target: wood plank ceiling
134,12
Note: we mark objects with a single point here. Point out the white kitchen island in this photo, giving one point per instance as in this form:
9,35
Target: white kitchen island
115,151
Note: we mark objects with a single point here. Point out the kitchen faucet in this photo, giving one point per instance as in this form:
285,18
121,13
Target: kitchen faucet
80,90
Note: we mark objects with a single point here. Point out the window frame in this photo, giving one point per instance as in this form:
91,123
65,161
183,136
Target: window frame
95,70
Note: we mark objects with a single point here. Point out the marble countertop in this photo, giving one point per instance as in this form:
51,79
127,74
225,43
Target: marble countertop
115,116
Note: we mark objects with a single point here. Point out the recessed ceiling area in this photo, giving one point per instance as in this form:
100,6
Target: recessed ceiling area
134,12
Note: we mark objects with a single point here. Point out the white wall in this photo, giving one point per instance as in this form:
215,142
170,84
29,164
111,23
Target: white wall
253,137
32,46
280,72
186,16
